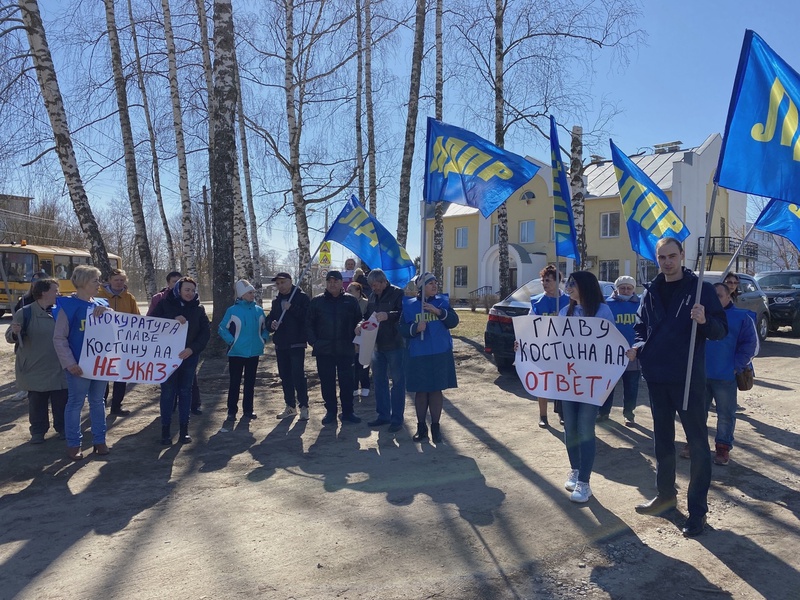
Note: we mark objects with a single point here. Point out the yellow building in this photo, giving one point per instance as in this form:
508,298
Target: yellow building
471,254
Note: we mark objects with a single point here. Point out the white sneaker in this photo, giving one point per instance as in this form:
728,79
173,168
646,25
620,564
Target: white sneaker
582,492
289,411
304,414
356,393
365,392
572,479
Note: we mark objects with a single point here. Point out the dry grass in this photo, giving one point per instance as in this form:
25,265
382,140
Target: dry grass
471,324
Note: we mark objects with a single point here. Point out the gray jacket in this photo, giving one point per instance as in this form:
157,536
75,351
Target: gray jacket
37,366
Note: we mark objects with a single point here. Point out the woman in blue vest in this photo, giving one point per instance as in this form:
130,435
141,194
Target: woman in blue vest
585,300
70,315
547,304
624,303
429,363
244,329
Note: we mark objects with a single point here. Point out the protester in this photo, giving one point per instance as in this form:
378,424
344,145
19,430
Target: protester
183,305
244,329
27,297
585,300
624,303
361,279
662,344
548,303
116,293
724,358
70,316
332,317
360,372
386,302
732,283
290,344
348,273
36,365
429,363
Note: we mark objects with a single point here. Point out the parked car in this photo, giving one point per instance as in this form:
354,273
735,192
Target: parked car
499,335
751,297
783,293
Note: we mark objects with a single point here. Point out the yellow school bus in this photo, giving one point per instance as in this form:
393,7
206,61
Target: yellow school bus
18,263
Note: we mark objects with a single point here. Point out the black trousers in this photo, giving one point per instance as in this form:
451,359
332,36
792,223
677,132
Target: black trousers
236,365
292,371
37,410
329,368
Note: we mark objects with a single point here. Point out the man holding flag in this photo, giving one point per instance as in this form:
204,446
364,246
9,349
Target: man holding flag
662,345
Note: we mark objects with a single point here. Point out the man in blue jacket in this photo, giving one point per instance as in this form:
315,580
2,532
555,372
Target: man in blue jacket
662,345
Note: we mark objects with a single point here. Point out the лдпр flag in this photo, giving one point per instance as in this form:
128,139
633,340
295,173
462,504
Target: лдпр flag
360,232
781,218
464,168
647,210
564,220
761,148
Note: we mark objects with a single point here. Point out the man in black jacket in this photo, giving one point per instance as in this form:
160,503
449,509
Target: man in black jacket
332,317
386,301
288,320
662,344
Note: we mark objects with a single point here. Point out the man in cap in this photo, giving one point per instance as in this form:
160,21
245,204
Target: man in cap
287,319
332,318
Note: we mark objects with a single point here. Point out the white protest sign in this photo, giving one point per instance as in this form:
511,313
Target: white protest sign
569,358
366,341
132,348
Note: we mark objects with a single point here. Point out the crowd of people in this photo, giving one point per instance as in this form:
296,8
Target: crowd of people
413,352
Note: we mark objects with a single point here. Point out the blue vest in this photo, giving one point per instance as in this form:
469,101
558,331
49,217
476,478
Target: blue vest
547,306
437,337
75,310
624,315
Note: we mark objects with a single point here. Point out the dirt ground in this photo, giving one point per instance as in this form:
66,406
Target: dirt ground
287,509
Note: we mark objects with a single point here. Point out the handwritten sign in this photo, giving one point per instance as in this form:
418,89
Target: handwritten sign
569,358
132,348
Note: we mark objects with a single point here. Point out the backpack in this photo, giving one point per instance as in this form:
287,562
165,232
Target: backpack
27,311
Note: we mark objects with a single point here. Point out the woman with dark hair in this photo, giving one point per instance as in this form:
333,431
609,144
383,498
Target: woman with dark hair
183,305
429,363
585,300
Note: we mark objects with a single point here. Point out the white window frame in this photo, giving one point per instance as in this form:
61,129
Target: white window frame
604,265
525,225
462,237
605,224
457,274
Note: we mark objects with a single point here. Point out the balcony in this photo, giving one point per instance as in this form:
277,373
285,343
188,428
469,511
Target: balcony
727,246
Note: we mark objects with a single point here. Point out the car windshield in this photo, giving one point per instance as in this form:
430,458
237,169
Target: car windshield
780,281
523,294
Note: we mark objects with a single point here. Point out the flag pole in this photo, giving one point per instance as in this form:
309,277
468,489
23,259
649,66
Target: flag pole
422,245
299,279
738,250
700,275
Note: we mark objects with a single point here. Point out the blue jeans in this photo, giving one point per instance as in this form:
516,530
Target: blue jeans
724,393
179,384
389,364
630,392
79,388
666,399
579,420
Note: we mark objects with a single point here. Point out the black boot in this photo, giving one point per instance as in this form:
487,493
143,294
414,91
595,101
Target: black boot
166,436
183,437
436,433
422,433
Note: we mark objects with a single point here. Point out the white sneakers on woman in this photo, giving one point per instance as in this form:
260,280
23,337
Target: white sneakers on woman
582,492
572,480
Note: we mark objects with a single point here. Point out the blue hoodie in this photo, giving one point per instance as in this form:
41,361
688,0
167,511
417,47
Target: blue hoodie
244,329
731,354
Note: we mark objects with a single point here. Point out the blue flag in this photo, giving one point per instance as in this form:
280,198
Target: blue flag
781,218
761,148
647,210
564,220
361,233
464,168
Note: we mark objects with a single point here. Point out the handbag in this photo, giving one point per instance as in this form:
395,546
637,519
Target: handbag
744,379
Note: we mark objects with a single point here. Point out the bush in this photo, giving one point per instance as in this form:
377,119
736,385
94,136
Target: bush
490,300
473,303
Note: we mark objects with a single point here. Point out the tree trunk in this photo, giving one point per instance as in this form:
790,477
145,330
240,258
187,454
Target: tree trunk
241,241
359,107
152,136
499,139
255,255
132,178
223,161
438,223
578,189
373,177
411,123
180,146
54,104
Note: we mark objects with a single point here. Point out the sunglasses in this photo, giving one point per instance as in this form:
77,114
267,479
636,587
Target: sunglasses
570,283
736,281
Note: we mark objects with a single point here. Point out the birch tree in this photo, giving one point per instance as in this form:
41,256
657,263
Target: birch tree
180,144
223,164
438,222
54,105
411,122
370,109
578,189
359,99
129,150
151,134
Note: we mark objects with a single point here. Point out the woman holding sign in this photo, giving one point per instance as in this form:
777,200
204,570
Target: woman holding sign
70,314
430,367
585,300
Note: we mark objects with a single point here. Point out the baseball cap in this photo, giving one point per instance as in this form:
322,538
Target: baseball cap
334,275
281,275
